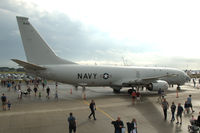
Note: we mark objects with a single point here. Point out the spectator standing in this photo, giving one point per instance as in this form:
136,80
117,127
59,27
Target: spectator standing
179,113
56,84
138,96
118,125
35,90
163,95
133,94
9,104
48,91
165,106
29,90
72,123
189,101
13,82
3,100
19,86
92,109
8,86
173,109
19,94
15,87
186,106
134,126
159,95
198,119
194,82
43,85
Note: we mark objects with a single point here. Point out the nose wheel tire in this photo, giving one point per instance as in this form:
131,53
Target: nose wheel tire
116,91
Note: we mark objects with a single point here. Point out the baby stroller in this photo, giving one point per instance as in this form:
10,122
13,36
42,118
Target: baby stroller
194,127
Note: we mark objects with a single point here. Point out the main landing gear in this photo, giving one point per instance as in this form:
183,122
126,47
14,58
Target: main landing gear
116,91
178,88
130,91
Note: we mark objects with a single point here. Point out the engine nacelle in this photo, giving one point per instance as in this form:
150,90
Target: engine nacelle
155,86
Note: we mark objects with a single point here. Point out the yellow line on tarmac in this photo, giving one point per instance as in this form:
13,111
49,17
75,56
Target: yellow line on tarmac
100,110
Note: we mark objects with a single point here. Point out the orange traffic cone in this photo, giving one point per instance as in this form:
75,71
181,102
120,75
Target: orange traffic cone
84,96
176,93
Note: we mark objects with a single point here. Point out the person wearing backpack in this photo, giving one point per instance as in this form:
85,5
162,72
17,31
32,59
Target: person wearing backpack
72,123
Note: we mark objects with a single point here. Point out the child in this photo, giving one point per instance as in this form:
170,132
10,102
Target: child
9,105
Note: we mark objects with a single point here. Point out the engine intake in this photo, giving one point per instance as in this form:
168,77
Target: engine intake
155,86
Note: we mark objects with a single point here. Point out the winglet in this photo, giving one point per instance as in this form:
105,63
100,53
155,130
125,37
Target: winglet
28,65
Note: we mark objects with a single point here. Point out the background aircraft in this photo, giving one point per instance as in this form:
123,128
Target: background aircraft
43,62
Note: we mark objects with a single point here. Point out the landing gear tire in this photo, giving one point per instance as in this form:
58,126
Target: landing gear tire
178,88
130,91
116,91
76,88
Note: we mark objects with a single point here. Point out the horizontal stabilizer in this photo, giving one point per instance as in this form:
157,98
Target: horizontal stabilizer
28,65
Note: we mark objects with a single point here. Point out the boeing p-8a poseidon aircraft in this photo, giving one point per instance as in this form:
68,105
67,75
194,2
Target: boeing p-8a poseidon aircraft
43,62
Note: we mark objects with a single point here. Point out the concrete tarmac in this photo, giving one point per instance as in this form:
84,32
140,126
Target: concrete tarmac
42,115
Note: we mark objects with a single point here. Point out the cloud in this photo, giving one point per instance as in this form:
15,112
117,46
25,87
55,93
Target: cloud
148,44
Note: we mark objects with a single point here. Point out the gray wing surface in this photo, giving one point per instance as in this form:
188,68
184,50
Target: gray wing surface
141,81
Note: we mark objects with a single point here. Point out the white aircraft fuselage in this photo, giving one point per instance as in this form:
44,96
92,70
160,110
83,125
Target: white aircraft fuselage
110,75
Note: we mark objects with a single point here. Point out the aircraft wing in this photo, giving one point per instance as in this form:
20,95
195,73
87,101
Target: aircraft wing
158,77
141,81
28,65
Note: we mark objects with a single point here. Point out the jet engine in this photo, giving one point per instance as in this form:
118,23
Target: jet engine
155,86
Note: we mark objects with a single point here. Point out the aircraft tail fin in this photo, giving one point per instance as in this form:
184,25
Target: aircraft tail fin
36,49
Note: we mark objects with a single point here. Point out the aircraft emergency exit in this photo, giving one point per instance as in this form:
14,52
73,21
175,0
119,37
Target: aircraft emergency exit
43,62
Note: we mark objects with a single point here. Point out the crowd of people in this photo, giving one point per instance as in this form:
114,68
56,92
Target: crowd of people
16,86
176,110
120,128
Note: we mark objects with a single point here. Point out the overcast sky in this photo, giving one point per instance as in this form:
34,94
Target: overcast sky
144,33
